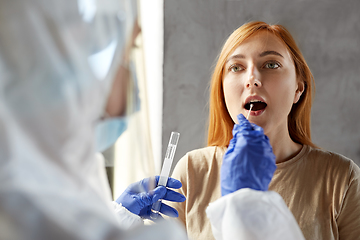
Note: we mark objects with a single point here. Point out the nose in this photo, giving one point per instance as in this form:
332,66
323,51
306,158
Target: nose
253,79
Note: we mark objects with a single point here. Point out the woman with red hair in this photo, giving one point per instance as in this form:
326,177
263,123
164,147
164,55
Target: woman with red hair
261,74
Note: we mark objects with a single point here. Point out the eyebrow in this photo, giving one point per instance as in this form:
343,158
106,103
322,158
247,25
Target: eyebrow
235,56
270,53
263,54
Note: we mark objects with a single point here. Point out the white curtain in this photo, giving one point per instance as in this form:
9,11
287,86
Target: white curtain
138,150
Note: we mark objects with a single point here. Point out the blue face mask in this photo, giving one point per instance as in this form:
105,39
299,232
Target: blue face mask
108,131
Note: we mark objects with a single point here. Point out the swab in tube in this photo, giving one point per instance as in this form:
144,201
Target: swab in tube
165,171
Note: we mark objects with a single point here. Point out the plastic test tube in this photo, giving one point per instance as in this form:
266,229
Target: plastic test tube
165,171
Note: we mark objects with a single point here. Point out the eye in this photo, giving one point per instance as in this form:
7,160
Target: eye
272,65
235,68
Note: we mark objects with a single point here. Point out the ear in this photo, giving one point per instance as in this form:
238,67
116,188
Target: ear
299,91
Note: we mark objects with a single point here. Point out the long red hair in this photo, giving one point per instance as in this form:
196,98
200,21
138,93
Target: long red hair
220,122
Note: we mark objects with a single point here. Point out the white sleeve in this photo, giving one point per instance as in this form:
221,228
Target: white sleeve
251,214
126,219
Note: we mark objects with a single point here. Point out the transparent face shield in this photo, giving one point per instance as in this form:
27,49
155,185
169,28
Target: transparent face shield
123,97
67,54
110,127
111,63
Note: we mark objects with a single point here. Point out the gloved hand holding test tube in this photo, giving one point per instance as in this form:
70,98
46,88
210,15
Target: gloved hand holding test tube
165,171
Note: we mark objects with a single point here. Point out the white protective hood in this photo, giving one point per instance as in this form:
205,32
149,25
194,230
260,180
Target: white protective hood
54,82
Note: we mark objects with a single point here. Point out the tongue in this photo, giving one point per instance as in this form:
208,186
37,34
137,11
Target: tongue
258,106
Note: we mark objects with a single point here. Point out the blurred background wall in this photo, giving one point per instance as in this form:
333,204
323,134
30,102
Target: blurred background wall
327,32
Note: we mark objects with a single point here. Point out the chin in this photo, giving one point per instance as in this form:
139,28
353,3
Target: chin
263,125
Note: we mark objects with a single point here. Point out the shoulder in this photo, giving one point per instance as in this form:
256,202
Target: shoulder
206,152
324,155
334,161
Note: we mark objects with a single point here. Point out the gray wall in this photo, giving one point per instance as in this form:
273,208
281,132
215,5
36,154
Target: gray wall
327,32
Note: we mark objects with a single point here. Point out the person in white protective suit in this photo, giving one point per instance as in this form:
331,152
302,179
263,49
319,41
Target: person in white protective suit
63,68
59,62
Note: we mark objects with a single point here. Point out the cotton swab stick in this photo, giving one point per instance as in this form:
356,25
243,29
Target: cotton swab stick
251,106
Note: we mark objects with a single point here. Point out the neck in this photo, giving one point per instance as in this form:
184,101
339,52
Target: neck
284,148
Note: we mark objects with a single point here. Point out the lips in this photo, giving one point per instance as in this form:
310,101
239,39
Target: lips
258,103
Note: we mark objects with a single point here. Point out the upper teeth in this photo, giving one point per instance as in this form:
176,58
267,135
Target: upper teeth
254,101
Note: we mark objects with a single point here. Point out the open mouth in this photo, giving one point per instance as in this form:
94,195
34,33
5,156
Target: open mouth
257,105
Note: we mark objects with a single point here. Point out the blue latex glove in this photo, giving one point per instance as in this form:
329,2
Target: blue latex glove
138,198
249,161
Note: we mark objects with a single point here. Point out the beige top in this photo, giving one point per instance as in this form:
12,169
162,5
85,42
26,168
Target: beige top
322,190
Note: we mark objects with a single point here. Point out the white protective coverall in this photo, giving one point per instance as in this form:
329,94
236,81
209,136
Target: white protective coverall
55,76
